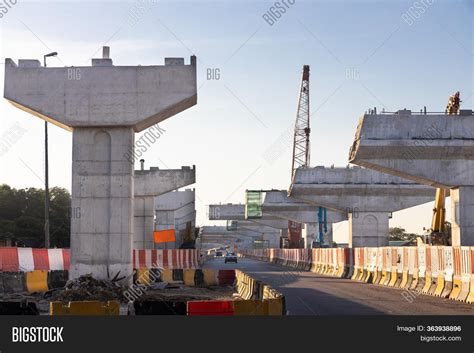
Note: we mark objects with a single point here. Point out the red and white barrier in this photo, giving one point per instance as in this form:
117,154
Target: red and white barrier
421,250
386,266
29,259
428,270
341,262
371,255
448,264
394,259
170,259
436,270
468,262
358,263
470,297
411,268
462,273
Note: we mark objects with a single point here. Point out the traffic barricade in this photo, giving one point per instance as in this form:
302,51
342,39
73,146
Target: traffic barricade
434,269
334,262
470,297
340,262
394,263
89,307
57,279
36,281
428,271
412,267
400,261
373,264
9,261
421,268
386,266
457,273
210,308
161,307
348,262
378,267
405,261
448,257
357,264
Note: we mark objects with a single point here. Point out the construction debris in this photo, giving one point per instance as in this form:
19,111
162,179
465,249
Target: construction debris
87,288
186,293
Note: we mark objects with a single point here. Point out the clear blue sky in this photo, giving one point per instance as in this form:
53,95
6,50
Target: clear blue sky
362,54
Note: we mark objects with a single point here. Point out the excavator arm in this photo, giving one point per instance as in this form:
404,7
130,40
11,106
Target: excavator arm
439,212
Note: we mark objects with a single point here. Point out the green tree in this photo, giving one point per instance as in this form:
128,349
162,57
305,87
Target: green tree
22,216
398,233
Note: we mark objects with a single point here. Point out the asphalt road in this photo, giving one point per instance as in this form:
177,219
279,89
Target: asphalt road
308,293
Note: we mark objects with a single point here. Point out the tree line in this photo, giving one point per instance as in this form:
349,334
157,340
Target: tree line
22,216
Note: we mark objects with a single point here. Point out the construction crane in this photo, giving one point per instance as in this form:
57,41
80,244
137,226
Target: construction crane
454,103
302,128
438,233
301,147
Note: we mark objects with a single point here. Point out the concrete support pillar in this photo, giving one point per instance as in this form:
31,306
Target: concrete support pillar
273,239
102,189
143,222
328,236
368,229
309,234
462,216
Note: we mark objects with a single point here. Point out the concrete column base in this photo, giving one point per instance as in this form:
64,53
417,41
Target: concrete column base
102,189
462,216
368,229
273,239
309,234
328,236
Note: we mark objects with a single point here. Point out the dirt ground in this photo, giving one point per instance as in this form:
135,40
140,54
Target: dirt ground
185,293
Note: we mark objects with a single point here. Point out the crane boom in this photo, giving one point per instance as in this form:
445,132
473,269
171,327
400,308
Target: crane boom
302,127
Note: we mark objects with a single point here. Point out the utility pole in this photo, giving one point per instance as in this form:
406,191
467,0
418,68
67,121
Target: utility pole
46,188
46,175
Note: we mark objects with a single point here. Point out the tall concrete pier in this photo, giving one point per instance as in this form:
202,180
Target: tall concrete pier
436,150
103,105
366,195
148,185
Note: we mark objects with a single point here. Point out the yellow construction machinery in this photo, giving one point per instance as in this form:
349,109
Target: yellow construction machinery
440,231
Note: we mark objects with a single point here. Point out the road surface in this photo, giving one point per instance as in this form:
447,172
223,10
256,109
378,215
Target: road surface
309,293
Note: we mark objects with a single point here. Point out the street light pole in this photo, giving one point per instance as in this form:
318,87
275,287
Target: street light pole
46,175
46,188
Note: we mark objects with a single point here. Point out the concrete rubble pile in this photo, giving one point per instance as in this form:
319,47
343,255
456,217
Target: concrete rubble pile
88,288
